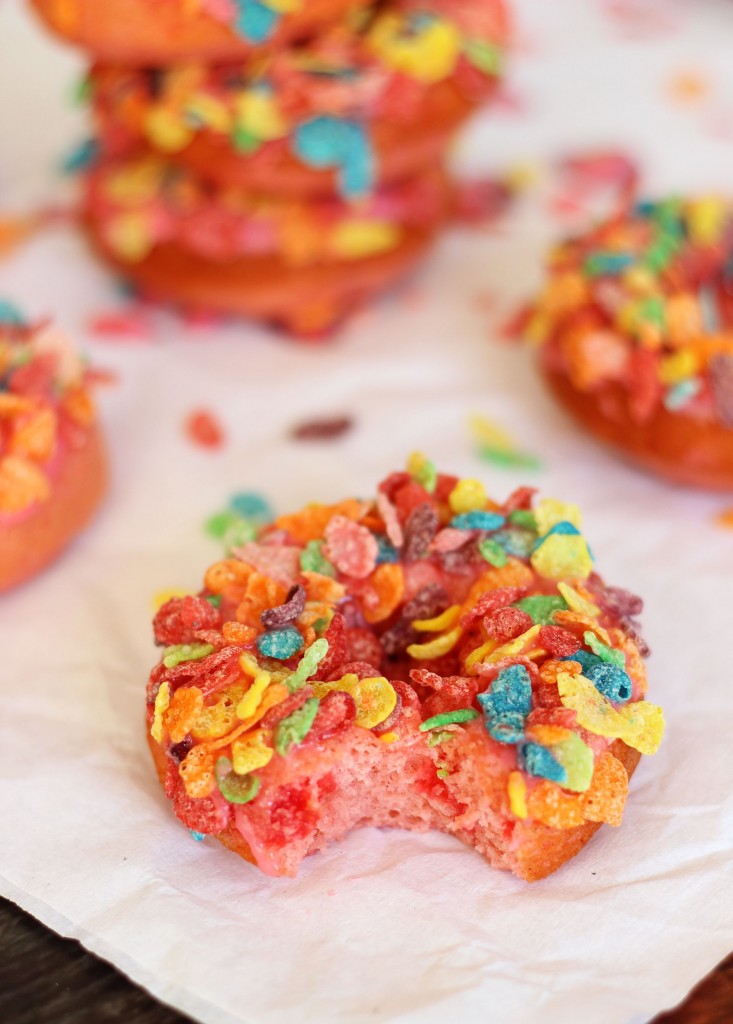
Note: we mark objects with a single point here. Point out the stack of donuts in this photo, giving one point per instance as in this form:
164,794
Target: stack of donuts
282,159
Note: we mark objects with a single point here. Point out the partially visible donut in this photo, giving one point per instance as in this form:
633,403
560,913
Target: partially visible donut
304,265
347,112
140,33
635,328
53,467
427,659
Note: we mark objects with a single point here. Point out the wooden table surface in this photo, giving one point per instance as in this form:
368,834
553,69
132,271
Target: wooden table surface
45,979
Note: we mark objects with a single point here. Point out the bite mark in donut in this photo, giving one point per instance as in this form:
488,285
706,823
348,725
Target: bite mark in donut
348,668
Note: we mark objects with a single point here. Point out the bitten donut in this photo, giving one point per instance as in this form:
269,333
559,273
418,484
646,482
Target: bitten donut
426,659
138,33
53,470
347,112
634,329
303,265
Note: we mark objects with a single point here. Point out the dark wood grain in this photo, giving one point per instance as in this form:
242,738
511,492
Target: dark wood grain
45,979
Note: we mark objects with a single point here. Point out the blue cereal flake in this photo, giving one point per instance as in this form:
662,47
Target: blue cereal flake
537,760
478,520
250,505
585,659
519,543
255,21
678,396
10,315
507,727
599,264
280,644
198,836
81,157
610,680
327,141
511,691
564,529
387,552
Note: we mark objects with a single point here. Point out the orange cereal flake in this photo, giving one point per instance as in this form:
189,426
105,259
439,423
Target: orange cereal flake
183,711
385,590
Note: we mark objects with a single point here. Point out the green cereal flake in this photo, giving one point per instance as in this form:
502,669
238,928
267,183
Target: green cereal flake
312,559
307,665
293,729
449,718
542,607
524,518
174,655
493,552
605,653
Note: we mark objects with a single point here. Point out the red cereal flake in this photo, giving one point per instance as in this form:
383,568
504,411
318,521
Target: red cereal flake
455,692
519,500
327,429
558,642
490,602
211,673
203,815
336,714
351,547
329,668
546,696
286,707
507,623
204,429
408,497
178,620
363,645
444,487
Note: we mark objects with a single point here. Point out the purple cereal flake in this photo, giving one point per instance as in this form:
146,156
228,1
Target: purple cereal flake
621,601
432,600
421,526
326,429
288,611
720,369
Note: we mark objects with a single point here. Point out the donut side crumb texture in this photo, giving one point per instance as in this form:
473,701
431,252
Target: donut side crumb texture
430,658
636,314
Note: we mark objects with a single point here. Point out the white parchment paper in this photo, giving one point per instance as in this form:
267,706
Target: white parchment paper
386,926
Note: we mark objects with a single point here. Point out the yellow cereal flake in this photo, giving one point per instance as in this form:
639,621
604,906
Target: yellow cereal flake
162,702
251,700
550,512
467,496
445,621
436,648
219,718
640,725
576,602
563,556
517,791
375,698
251,752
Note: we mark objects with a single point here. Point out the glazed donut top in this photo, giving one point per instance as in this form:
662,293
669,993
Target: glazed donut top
645,301
424,613
45,409
320,99
139,204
